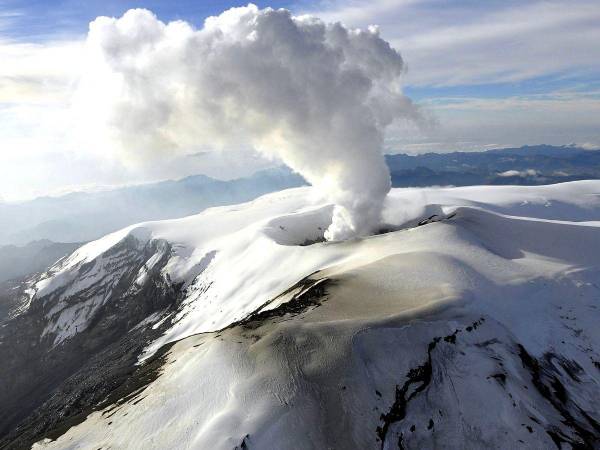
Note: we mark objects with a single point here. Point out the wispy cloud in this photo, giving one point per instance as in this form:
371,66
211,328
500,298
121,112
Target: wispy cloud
475,123
38,73
452,43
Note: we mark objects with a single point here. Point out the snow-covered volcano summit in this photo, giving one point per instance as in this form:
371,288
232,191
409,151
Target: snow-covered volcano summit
470,322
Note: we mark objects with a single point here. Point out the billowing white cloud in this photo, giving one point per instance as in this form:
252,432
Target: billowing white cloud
443,43
317,96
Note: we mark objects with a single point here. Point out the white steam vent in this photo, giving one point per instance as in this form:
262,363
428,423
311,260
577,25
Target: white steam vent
317,96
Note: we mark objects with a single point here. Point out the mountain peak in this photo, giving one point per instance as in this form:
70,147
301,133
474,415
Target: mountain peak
150,333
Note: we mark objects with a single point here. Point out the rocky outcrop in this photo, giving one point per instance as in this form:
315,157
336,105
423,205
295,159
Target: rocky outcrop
50,382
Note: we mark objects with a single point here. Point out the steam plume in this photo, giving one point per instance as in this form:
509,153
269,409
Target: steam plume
318,96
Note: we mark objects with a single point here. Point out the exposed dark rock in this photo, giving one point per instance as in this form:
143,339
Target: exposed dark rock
577,429
500,377
244,444
420,377
310,293
50,387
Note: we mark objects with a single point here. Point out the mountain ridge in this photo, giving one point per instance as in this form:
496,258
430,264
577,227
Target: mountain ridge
399,337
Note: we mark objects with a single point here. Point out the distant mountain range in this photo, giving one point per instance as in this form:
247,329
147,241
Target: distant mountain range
529,165
84,216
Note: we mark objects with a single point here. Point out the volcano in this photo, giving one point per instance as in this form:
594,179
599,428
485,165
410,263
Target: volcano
469,322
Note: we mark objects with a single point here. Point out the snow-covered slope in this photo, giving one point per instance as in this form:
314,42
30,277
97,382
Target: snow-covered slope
226,256
475,329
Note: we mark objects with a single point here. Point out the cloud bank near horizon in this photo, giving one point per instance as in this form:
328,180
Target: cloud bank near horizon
317,96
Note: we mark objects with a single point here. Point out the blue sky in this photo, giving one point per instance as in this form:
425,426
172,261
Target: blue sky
489,74
47,19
